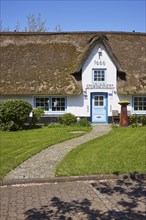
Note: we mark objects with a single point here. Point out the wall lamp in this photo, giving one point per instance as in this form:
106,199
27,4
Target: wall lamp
99,52
85,94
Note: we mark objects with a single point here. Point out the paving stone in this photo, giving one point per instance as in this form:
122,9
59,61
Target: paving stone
84,200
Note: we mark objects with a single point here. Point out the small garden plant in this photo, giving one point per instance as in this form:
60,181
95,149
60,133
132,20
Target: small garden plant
67,119
36,115
83,122
124,102
133,120
143,120
137,121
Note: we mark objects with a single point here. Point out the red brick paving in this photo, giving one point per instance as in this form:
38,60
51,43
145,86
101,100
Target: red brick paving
79,200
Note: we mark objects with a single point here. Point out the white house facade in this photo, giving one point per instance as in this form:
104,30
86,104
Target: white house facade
96,75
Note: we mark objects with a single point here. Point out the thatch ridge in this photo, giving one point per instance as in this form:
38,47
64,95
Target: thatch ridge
74,32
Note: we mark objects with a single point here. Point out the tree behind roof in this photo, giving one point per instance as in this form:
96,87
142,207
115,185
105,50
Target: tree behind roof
35,23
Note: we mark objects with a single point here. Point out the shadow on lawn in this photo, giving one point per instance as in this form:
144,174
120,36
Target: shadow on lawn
126,198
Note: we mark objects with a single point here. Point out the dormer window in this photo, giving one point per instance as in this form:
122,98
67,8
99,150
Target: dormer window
99,75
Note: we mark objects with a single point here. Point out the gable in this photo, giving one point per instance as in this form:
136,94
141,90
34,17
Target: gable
99,68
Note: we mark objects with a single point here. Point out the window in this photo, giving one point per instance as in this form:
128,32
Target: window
139,103
99,75
42,102
98,100
58,104
51,104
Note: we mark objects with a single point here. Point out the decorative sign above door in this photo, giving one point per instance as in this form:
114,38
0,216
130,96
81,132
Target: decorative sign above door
99,86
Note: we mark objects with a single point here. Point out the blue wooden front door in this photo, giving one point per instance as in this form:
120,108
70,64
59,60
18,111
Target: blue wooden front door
99,107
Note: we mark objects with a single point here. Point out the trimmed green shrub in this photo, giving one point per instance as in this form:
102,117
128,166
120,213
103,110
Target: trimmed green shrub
143,120
133,120
83,122
67,119
36,115
13,114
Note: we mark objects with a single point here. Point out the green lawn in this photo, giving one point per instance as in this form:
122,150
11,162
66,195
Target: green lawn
16,147
123,150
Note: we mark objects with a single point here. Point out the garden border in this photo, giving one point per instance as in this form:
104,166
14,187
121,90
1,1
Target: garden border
133,176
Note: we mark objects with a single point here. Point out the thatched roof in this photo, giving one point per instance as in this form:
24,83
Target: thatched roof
51,63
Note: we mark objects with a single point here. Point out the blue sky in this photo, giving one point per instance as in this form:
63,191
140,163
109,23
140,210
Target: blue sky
78,15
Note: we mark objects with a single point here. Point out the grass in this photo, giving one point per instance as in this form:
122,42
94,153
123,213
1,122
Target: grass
123,150
16,147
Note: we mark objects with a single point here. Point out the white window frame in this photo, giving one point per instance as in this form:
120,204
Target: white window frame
140,103
42,101
56,105
99,102
51,105
99,76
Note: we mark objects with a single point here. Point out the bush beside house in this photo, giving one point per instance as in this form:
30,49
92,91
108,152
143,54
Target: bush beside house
13,114
67,119
136,121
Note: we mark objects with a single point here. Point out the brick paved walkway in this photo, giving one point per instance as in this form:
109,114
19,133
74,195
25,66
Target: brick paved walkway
121,199
43,164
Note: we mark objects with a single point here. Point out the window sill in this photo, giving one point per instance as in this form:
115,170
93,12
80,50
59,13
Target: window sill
139,112
46,113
